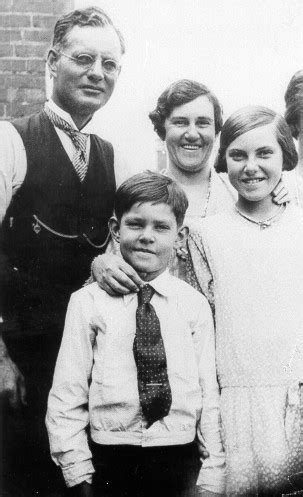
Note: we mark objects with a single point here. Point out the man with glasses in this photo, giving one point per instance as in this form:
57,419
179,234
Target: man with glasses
57,183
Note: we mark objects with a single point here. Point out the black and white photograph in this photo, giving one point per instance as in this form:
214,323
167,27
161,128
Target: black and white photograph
151,248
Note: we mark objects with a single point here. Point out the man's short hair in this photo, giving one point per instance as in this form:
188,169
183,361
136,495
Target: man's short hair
179,93
151,187
91,16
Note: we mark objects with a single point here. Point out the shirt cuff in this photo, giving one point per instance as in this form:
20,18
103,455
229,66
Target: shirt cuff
212,480
78,472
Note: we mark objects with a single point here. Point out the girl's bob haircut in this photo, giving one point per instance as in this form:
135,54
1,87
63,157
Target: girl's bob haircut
248,118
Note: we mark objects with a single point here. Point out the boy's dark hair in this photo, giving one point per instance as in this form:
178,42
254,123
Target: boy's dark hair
151,187
90,16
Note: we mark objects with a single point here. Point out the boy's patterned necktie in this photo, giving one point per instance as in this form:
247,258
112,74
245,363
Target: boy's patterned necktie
79,140
149,352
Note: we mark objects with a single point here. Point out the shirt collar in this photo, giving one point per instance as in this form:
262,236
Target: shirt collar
66,116
162,285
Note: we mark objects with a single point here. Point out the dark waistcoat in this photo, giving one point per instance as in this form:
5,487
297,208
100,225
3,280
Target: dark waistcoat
55,224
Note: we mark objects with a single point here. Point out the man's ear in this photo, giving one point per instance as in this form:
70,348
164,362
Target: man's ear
52,59
114,227
181,237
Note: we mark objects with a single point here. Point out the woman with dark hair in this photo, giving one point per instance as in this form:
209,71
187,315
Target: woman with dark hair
294,110
248,261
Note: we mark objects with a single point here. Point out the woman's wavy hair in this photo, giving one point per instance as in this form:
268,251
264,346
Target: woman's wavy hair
179,93
294,103
248,118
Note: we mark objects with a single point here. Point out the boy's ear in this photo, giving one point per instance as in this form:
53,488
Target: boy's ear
114,227
181,237
52,59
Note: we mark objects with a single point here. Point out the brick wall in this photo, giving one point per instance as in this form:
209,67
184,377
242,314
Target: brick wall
25,36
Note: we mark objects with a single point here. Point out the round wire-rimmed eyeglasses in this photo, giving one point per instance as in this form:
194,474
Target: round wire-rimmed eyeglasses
86,62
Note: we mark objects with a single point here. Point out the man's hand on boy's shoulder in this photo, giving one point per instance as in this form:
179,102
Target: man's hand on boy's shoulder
114,275
84,489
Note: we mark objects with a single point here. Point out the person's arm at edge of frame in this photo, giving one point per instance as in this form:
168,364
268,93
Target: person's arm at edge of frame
211,480
12,173
69,395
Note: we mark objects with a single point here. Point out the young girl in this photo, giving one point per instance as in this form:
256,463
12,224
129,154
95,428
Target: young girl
249,263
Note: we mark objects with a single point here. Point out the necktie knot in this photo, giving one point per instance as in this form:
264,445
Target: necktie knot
145,294
79,140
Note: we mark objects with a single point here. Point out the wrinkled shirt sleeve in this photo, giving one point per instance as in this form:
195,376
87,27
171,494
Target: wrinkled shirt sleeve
13,164
212,473
67,415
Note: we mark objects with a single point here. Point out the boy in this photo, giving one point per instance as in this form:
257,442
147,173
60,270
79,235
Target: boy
138,371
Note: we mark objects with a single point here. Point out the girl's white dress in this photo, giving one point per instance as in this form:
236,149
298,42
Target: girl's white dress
254,279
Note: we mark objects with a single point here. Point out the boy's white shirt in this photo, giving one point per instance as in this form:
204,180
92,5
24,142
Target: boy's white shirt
188,334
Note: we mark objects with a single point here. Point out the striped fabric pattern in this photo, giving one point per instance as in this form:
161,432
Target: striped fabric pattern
79,140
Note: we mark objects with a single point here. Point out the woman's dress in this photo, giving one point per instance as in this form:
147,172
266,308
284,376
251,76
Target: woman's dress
254,280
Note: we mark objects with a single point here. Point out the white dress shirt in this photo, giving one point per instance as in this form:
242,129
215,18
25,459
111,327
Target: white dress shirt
95,380
13,161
